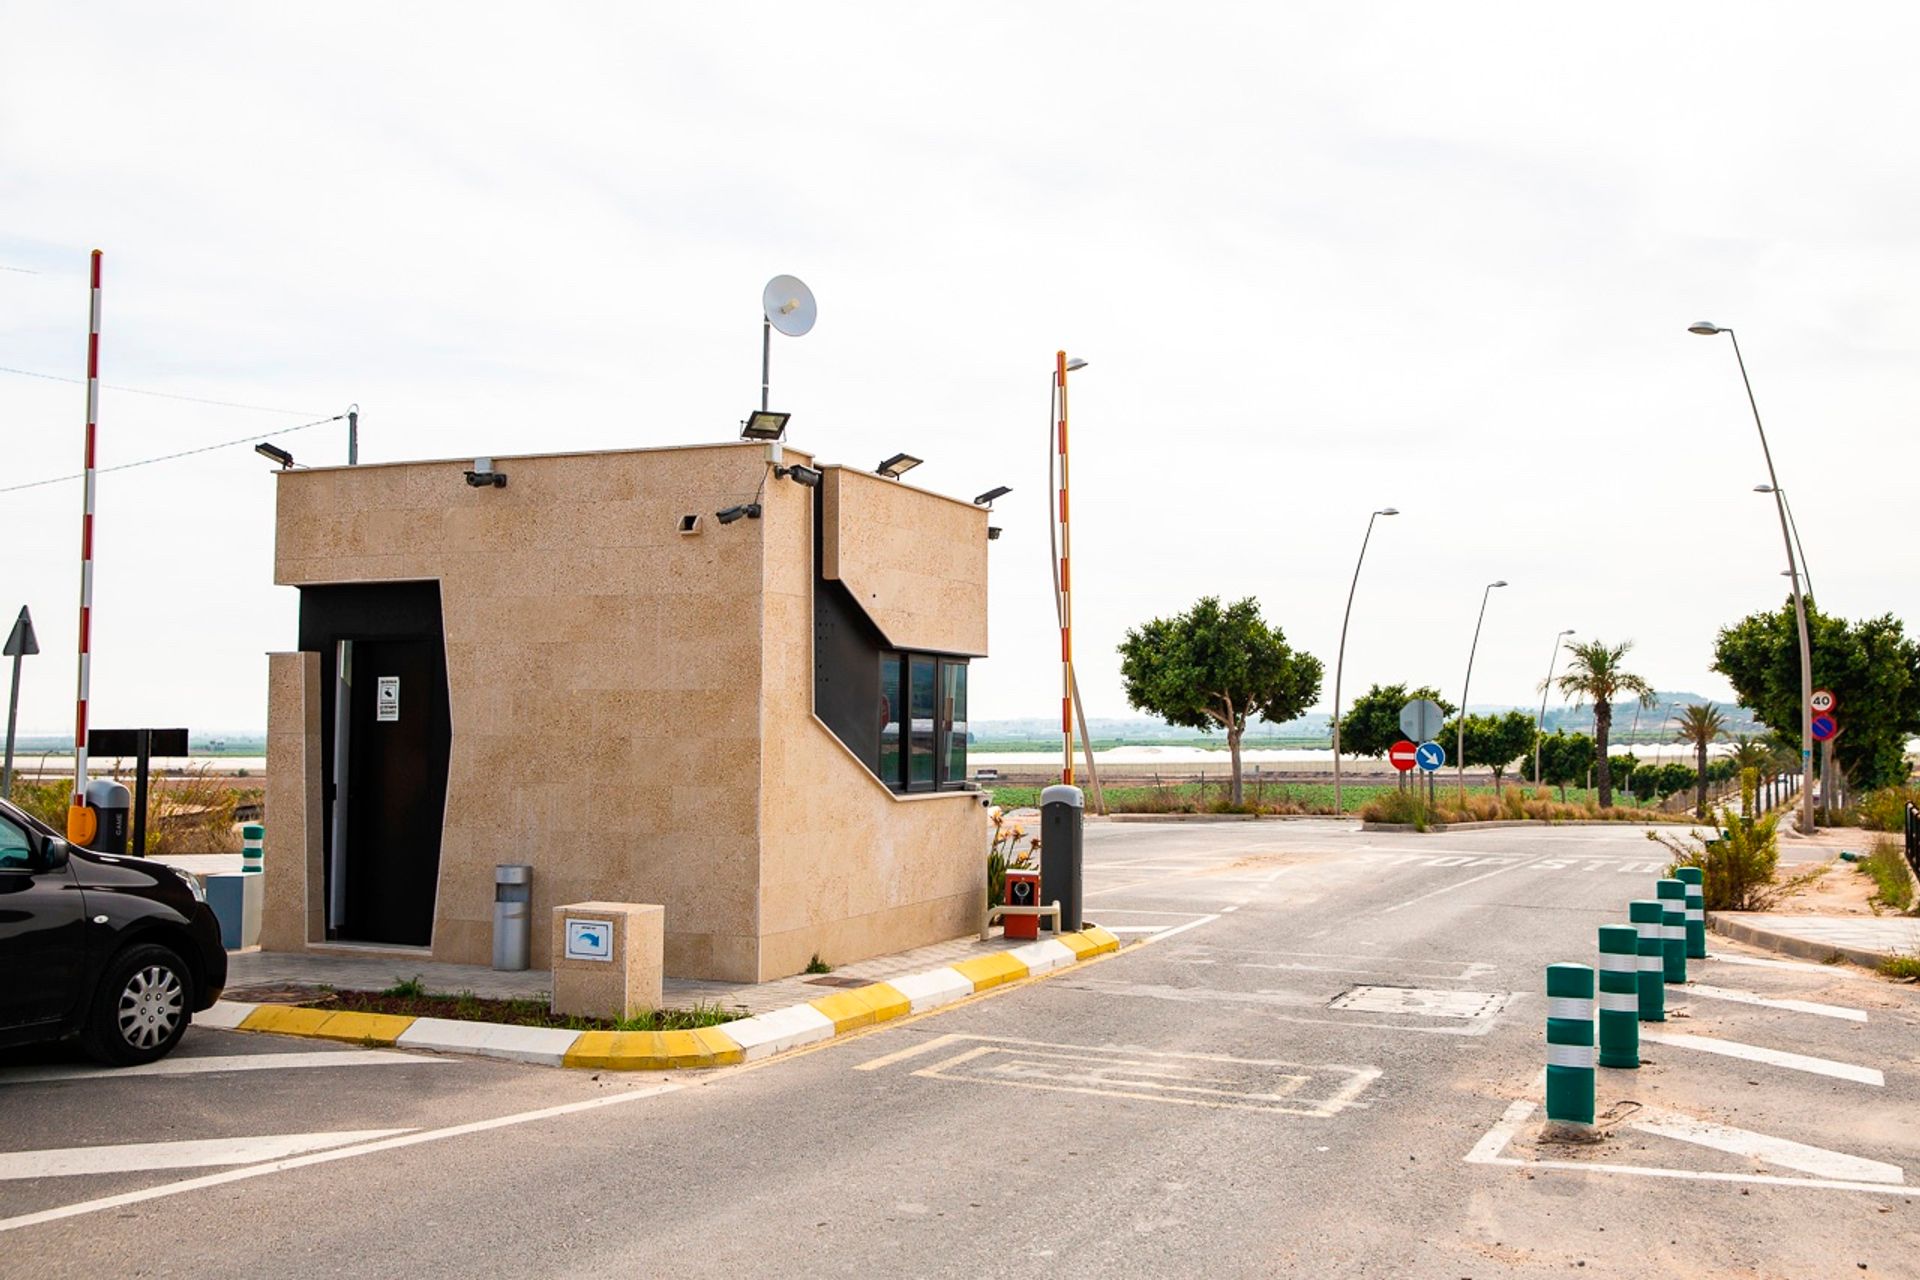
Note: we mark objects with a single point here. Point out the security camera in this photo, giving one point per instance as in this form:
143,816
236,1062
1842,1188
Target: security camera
746,511
807,476
483,476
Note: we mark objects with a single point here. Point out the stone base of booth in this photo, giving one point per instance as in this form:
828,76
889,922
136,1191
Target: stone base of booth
745,1040
607,958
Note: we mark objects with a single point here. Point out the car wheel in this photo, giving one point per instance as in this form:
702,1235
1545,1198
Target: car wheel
141,1009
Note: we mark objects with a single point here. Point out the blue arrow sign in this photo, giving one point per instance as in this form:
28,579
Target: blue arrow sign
1429,756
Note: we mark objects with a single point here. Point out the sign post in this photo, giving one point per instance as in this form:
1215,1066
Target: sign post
21,643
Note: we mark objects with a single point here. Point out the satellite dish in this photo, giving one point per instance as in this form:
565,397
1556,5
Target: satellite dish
789,306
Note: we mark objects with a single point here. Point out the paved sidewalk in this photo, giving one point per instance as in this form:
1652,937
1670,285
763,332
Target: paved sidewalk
254,974
1865,940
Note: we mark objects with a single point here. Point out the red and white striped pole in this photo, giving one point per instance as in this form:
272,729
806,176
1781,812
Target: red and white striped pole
81,821
1066,588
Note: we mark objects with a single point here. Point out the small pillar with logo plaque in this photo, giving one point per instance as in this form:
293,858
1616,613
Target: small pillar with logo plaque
607,958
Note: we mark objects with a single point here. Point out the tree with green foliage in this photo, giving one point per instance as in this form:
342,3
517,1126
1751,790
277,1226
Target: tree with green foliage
1701,724
1595,674
1673,779
1565,758
1621,766
1372,723
1492,742
1872,668
1216,666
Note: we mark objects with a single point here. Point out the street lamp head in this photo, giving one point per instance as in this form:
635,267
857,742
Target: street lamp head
1567,632
1492,585
1704,327
1076,363
1388,511
1763,488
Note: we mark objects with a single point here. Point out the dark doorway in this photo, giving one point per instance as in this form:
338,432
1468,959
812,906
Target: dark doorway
396,789
384,771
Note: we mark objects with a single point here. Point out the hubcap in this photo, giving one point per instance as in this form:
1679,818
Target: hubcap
150,1006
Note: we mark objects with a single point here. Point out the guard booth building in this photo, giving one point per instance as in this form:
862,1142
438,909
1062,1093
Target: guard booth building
760,724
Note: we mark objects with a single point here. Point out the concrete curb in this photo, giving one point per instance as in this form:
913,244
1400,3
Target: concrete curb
744,1040
1788,945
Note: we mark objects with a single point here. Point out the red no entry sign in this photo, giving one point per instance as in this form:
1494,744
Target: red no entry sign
1401,754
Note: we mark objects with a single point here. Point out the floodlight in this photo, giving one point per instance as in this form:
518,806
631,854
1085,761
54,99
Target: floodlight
274,453
993,533
745,510
762,425
898,465
987,499
1703,327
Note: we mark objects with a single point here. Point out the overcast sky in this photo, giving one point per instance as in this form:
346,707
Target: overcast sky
1321,258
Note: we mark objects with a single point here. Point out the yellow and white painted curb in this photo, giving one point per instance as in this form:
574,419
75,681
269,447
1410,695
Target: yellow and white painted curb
745,1040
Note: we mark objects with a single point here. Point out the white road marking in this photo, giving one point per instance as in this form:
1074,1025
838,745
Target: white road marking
177,1066
1488,1149
1772,1002
1458,884
1791,1155
1164,934
1136,928
141,1157
1772,1057
888,1059
325,1157
1831,970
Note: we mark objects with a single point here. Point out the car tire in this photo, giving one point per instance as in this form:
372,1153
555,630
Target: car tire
141,1008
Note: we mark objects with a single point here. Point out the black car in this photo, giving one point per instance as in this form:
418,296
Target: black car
120,952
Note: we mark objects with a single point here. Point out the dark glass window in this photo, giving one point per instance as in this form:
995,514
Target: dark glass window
921,707
890,719
953,722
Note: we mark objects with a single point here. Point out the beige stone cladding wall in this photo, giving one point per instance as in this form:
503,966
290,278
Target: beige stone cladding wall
292,912
603,670
916,561
848,869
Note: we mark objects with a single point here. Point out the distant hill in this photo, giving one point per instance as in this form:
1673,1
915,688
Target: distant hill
1315,729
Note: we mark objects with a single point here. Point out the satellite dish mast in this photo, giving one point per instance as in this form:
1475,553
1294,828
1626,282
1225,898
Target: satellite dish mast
787,305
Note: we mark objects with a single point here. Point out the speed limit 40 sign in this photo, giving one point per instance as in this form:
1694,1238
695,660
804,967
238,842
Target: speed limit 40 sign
1823,701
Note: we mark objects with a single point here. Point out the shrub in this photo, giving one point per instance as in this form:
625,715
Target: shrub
1738,867
1887,864
1886,809
1004,851
1397,806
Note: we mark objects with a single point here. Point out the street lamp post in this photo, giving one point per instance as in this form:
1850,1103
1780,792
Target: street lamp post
1540,725
1798,546
1340,661
1793,568
1460,737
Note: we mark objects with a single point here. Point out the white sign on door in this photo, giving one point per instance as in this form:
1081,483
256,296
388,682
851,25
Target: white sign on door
386,699
589,939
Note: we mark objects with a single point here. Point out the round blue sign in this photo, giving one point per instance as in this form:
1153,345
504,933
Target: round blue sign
1429,756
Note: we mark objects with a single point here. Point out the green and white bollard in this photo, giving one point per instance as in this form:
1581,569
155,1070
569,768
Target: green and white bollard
1619,996
1673,927
1695,880
1648,916
253,844
1570,1044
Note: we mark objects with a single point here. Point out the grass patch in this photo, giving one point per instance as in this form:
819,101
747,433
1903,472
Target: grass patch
417,1002
1888,867
406,987
817,965
1901,967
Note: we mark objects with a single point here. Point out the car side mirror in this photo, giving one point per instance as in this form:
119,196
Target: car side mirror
54,854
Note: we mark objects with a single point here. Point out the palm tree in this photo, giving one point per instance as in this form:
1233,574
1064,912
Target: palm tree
1701,724
1594,673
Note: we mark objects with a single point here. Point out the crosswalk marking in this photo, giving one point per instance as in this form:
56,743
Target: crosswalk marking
141,1157
1772,1057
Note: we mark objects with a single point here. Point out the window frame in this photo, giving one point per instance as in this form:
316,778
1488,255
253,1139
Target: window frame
903,782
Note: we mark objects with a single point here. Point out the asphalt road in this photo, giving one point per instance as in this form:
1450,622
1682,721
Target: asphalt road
1323,1060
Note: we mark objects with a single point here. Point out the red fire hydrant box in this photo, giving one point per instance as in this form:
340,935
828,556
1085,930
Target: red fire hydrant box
1023,890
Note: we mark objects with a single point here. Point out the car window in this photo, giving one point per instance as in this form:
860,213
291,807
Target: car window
16,852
